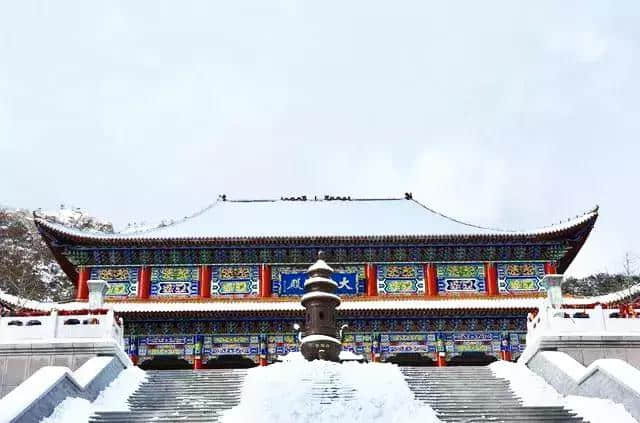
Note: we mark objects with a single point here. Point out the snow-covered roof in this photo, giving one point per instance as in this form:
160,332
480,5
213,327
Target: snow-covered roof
381,304
312,218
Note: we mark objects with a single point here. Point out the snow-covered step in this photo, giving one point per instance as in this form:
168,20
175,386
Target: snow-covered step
474,394
179,396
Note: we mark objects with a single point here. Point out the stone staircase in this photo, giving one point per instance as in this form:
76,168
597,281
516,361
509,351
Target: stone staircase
329,388
474,394
457,394
180,396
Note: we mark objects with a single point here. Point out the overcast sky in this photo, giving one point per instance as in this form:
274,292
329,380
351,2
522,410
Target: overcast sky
510,114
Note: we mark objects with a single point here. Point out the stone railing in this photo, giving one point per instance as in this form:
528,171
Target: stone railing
574,321
612,379
57,326
40,394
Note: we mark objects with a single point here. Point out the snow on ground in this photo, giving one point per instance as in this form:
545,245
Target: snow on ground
287,393
536,392
350,355
531,388
597,410
112,398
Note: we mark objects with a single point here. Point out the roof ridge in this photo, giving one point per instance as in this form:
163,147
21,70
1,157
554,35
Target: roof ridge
314,198
222,198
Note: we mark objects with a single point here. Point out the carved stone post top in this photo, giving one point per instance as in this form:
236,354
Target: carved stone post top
554,289
97,290
97,285
553,280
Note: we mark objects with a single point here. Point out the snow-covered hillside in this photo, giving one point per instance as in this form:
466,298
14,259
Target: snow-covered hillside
27,267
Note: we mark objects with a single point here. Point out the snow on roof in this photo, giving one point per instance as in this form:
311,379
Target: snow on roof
293,305
289,218
244,305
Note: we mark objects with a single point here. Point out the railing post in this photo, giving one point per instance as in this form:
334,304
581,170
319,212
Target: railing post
599,315
53,321
107,324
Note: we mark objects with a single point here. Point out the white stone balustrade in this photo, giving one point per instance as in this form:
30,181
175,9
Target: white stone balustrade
60,327
597,321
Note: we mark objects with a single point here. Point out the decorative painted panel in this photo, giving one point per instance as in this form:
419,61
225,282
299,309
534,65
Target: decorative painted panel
357,343
234,280
521,277
453,343
122,282
217,345
350,279
462,342
402,343
400,279
289,281
281,344
461,278
174,281
165,345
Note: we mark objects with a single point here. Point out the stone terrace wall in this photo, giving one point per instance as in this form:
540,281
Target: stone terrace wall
605,378
19,361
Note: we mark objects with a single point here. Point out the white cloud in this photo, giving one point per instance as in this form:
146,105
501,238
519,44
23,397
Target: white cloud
504,115
585,46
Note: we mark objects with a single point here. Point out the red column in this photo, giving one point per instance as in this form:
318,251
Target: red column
371,273
133,351
205,281
265,280
491,278
431,279
263,351
441,359
144,285
198,340
82,289
505,355
550,268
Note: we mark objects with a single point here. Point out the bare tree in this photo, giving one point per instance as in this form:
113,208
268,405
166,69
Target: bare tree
629,267
629,264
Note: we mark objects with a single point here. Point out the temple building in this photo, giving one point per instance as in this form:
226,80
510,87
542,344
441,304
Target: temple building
223,286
